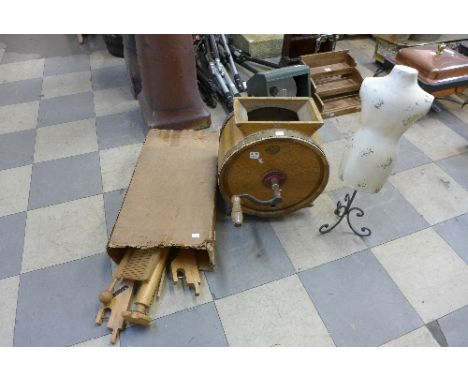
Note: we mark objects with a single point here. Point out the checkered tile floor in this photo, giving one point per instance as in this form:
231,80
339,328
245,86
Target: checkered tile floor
70,134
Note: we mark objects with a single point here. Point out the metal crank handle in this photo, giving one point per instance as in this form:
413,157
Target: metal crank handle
237,215
276,199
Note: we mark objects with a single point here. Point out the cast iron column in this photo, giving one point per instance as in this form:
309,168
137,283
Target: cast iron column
169,98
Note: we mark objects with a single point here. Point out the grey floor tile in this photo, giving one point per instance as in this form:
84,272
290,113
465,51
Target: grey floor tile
454,326
75,107
358,302
110,77
112,203
48,45
436,332
102,59
246,257
11,244
410,156
20,91
121,129
199,326
67,64
328,132
388,214
65,179
457,168
455,232
451,121
17,149
57,305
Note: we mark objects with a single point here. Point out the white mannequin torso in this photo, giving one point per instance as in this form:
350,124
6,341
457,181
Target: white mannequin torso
390,105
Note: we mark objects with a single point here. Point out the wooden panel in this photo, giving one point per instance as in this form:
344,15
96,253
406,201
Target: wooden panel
308,118
323,71
339,86
328,58
333,107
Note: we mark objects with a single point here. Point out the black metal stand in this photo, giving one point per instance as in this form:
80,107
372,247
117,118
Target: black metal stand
343,210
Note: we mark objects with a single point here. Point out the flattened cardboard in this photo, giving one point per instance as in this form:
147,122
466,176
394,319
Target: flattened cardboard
170,201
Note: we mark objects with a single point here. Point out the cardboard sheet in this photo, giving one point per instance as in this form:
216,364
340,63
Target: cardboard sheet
170,201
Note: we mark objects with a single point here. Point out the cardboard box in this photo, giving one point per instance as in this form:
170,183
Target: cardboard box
170,201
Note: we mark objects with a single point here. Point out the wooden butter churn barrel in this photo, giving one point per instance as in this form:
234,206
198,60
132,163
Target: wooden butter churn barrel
270,161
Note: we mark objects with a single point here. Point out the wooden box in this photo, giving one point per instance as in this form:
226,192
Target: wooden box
336,82
252,114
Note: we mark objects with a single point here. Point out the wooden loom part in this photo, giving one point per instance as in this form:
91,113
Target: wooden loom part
121,301
186,263
147,291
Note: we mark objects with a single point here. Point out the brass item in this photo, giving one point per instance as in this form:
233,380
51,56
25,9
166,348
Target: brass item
440,48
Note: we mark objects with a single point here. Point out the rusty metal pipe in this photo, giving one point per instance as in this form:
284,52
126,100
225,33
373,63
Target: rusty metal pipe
169,98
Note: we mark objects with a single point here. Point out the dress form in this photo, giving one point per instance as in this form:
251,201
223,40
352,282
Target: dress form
390,105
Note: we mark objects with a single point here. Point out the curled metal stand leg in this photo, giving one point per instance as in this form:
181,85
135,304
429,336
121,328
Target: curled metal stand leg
343,210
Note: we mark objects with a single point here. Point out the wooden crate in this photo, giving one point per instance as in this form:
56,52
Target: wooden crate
253,114
335,81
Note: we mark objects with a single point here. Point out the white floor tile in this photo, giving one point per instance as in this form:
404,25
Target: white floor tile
113,101
117,166
348,124
9,296
104,341
435,139
64,232
23,70
66,84
14,190
433,193
428,272
64,140
305,245
275,314
18,117
421,337
334,152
